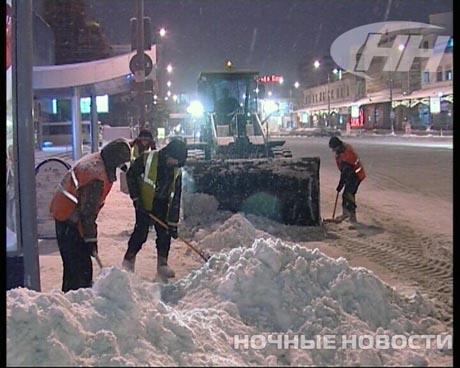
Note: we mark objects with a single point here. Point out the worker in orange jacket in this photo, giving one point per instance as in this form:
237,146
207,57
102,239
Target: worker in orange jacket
76,205
351,175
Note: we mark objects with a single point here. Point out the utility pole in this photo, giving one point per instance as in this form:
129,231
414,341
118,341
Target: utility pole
24,143
328,100
392,114
140,74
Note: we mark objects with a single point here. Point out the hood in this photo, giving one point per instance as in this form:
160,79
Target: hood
115,154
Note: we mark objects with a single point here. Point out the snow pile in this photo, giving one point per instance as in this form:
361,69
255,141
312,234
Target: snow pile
269,287
237,231
197,205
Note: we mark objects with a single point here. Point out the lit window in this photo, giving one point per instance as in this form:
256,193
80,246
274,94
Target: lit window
448,75
54,108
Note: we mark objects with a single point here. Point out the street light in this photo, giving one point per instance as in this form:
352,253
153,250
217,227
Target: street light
168,83
160,42
317,64
392,113
296,85
169,68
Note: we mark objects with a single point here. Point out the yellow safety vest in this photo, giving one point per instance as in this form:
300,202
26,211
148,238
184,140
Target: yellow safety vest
134,152
149,181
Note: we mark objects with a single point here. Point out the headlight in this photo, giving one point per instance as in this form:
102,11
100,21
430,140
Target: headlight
196,109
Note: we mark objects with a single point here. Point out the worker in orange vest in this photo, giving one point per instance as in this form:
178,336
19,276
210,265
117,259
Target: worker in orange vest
75,207
351,175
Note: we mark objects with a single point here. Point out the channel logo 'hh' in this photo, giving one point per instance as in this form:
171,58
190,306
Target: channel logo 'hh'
355,50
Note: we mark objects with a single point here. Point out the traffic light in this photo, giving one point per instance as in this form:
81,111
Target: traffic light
147,33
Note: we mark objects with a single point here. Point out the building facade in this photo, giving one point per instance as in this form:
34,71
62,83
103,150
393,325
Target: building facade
389,99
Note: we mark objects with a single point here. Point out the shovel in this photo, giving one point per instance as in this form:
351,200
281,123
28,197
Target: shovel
197,251
333,213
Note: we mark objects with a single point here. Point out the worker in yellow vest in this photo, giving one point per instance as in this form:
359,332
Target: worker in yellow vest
143,142
155,186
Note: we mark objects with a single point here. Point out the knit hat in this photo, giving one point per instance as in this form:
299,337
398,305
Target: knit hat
177,149
334,142
145,134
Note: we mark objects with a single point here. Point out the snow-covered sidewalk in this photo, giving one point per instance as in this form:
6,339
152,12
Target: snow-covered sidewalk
264,278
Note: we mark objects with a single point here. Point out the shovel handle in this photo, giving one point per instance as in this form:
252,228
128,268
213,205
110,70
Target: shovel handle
335,205
99,262
201,254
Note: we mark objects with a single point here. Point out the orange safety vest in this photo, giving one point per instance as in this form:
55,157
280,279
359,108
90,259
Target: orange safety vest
64,203
350,156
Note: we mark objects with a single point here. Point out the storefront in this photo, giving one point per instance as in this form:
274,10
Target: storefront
426,109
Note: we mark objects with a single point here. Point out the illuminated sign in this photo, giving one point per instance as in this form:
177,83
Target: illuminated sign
355,111
270,79
102,103
435,105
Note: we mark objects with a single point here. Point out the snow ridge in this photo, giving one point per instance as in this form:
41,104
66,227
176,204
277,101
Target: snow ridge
263,288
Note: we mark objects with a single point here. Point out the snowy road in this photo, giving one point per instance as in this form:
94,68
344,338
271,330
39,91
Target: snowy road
404,208
389,275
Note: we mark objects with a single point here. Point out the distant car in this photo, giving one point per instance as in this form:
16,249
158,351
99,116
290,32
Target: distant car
329,132
316,132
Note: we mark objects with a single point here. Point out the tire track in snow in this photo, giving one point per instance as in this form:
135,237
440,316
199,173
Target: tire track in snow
407,254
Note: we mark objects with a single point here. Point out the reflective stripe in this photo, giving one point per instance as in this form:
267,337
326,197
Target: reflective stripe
74,179
172,195
147,170
173,223
68,194
358,170
88,240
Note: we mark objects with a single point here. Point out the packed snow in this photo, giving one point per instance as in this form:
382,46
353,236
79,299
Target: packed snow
263,278
250,286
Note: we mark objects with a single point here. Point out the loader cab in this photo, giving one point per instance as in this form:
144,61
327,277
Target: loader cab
230,101
227,94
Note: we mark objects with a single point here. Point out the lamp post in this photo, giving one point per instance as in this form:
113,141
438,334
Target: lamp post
160,56
328,100
392,113
317,64
140,74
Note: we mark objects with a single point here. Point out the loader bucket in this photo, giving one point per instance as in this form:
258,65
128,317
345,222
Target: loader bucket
284,190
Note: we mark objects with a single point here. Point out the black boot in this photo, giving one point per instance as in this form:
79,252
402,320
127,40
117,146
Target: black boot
129,262
345,214
352,217
163,269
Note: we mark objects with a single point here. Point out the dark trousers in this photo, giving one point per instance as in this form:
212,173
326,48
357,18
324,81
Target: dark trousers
349,193
76,257
141,231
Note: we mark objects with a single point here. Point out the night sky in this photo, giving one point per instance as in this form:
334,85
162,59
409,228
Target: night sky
272,36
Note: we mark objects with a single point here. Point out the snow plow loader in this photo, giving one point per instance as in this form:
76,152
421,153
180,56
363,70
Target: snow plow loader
232,158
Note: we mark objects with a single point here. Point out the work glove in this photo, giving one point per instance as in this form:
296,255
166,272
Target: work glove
339,187
93,248
173,231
